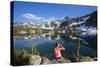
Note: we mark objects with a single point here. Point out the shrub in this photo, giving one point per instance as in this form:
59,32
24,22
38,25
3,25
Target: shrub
21,57
35,50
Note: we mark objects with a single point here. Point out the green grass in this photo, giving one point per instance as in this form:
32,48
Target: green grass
21,57
35,49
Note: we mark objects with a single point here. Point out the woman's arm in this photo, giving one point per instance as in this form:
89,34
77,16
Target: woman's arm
61,47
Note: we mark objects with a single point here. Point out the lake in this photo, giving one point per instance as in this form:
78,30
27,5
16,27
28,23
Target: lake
46,43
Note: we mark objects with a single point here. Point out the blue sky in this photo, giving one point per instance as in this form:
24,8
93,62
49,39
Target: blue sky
35,12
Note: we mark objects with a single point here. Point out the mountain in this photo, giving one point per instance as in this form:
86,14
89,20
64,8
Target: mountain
92,21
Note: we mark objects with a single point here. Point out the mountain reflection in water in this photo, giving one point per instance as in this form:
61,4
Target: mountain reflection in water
46,43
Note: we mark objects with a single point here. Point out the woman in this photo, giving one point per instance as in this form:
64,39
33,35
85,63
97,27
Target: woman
57,52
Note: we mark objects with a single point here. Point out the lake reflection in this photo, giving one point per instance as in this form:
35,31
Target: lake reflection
46,43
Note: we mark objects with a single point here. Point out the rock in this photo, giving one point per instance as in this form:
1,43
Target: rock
62,60
85,59
95,58
68,61
35,59
45,61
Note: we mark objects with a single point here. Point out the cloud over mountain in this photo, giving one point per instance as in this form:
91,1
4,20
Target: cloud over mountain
30,16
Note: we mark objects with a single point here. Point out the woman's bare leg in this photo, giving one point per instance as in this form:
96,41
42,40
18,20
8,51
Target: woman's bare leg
55,61
63,59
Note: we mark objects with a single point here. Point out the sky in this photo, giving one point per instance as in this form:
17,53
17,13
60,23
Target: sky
38,12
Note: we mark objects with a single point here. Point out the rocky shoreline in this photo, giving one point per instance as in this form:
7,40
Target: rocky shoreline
37,60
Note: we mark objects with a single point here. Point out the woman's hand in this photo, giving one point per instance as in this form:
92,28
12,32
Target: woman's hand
61,47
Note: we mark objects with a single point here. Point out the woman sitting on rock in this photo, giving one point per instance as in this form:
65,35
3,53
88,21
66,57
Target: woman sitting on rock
57,52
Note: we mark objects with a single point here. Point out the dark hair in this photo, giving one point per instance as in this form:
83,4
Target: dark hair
56,44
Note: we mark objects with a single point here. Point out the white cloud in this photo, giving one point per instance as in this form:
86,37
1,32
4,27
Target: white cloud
32,17
49,19
52,18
